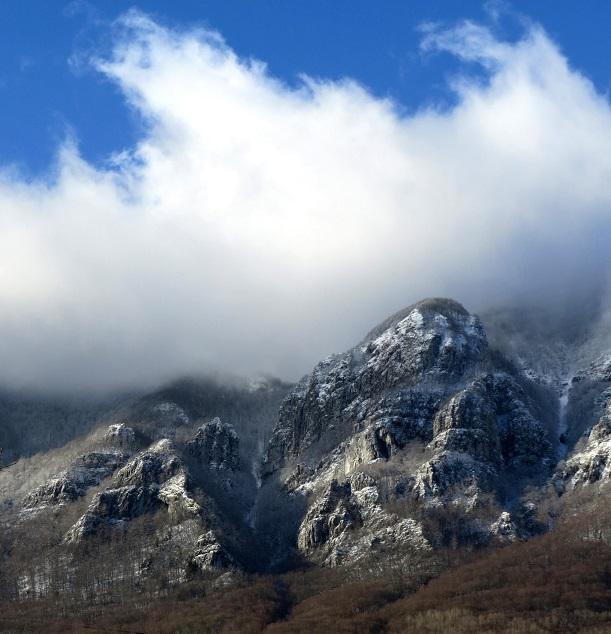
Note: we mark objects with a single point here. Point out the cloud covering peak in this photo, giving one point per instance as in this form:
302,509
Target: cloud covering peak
258,226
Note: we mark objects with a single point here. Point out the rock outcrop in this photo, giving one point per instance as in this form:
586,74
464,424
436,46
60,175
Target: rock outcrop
482,431
435,341
88,471
333,514
153,478
209,554
592,463
120,435
347,523
167,418
444,421
216,445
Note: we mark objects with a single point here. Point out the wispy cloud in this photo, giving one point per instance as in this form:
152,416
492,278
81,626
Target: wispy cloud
258,227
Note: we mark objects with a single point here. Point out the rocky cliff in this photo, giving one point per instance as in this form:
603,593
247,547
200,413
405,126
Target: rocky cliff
426,435
431,416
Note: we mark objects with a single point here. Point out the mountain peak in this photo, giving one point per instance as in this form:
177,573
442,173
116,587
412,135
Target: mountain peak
447,307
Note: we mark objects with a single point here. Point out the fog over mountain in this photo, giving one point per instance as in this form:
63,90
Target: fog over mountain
257,226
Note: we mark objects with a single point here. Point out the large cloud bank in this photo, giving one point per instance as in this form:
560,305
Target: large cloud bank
257,227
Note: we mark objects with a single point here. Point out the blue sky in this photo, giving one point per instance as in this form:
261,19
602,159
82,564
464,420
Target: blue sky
218,214
42,95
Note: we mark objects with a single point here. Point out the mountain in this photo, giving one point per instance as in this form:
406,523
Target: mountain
440,435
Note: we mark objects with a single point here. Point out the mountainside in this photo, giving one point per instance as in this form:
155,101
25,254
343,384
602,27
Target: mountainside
429,436
420,417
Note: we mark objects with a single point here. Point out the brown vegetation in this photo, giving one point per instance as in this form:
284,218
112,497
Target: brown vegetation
558,582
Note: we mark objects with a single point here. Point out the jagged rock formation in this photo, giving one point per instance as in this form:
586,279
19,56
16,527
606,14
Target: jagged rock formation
483,429
592,463
210,555
120,435
423,395
347,523
152,478
433,341
333,514
216,444
88,471
422,436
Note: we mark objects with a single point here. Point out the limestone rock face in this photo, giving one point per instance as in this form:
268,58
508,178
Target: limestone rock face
153,466
425,411
210,555
216,444
452,474
395,421
467,424
88,471
591,464
335,513
480,432
152,478
347,523
433,341
120,435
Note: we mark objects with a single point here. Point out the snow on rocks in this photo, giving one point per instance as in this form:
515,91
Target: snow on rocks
172,413
591,464
216,444
209,554
504,529
153,478
87,471
433,342
347,521
120,435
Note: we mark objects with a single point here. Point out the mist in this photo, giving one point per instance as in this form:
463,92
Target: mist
257,227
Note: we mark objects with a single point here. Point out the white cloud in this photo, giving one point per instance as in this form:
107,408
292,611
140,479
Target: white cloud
258,227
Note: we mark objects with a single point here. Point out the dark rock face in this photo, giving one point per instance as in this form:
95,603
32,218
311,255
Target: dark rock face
591,464
153,478
120,435
423,395
435,341
88,471
481,431
524,441
467,424
216,444
209,554
332,515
